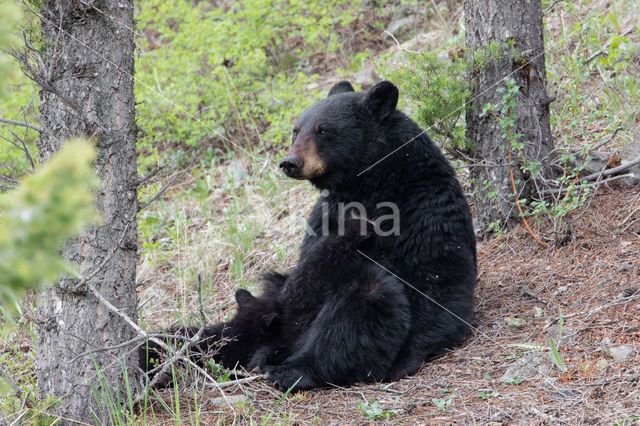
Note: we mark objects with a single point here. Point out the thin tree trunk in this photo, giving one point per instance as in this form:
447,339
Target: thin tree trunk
517,24
87,89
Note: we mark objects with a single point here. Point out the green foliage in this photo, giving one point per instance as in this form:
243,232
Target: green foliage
515,380
10,18
438,89
557,359
36,219
16,93
591,63
488,395
230,76
442,404
372,410
572,193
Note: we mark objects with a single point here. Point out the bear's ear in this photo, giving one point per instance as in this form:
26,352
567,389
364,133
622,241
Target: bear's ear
243,296
381,100
340,87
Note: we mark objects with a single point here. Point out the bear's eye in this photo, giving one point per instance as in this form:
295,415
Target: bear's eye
322,132
294,134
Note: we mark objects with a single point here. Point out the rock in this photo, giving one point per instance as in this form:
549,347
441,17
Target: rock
516,323
537,312
621,353
623,267
231,399
367,78
236,173
529,366
602,364
399,24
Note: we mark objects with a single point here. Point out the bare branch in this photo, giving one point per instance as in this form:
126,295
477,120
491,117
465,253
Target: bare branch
84,280
607,44
169,185
548,9
20,123
613,171
16,389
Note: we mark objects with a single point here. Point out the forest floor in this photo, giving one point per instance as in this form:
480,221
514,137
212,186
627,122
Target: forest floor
585,295
556,336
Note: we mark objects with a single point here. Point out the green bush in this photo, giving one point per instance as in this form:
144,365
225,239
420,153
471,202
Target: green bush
36,219
232,75
437,88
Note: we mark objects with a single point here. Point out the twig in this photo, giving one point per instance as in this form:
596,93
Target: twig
8,378
177,357
398,43
24,148
601,144
127,343
591,185
20,123
607,44
515,191
240,381
169,185
550,7
598,309
86,279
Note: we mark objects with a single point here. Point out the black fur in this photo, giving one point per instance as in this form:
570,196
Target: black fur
337,334
231,343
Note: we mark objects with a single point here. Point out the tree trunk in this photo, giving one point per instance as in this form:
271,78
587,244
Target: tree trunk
87,90
517,28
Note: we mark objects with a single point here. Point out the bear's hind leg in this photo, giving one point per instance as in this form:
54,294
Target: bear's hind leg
355,337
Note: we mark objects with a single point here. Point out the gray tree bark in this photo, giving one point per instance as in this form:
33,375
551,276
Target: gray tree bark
87,90
516,23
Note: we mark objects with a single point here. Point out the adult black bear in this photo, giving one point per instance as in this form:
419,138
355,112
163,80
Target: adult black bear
372,302
374,308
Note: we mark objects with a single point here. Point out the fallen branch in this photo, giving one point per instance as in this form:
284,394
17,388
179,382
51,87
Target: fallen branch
612,171
591,185
16,389
598,309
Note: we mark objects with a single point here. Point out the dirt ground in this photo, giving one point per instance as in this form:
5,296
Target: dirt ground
505,374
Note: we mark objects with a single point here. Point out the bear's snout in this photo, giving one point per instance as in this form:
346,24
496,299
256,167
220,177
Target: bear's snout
291,166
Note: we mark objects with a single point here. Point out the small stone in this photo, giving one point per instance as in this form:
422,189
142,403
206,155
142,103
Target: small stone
236,173
397,24
516,323
367,78
537,312
231,399
602,364
622,352
625,267
527,367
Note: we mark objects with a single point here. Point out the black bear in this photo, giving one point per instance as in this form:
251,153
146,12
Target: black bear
387,268
231,343
373,308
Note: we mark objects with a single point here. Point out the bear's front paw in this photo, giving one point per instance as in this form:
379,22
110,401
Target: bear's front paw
287,378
